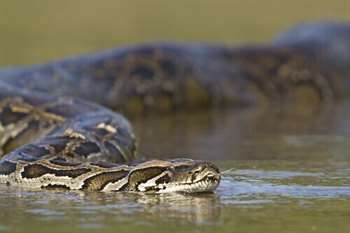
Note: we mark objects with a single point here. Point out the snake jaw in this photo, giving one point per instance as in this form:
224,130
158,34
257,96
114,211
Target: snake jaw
207,184
191,177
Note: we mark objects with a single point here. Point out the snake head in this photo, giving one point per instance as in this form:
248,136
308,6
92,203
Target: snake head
179,175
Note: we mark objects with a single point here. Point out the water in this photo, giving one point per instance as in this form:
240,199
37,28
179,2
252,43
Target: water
281,173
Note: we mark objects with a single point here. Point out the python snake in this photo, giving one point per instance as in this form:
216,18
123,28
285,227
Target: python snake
51,138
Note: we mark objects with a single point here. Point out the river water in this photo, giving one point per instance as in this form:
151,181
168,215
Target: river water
282,171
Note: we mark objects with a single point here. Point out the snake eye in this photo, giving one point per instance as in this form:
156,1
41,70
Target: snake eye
196,172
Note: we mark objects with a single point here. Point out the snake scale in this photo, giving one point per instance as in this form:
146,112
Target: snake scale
58,128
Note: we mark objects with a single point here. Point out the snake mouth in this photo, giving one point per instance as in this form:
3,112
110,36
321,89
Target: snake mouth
207,184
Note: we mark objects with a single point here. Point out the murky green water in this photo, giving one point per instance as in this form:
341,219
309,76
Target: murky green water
280,174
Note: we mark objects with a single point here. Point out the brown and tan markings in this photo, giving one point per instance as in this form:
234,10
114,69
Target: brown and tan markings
67,143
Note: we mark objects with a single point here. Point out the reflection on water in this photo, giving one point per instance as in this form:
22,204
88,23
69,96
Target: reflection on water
97,210
280,171
249,134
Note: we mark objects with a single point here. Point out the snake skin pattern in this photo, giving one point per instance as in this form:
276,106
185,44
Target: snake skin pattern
51,138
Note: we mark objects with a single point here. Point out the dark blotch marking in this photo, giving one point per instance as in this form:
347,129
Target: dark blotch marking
164,179
31,152
8,116
142,175
63,162
87,148
34,150
56,186
58,143
38,170
64,109
169,67
6,168
26,158
105,164
143,72
99,181
114,151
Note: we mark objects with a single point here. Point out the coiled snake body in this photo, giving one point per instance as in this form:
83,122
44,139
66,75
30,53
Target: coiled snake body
51,138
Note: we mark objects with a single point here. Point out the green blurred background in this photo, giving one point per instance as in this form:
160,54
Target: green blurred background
36,31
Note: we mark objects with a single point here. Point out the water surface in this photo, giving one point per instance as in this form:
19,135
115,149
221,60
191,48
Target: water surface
281,173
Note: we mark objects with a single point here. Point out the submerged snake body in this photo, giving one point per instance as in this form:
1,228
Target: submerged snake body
50,141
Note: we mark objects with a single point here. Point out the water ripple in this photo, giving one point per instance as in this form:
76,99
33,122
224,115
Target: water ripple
231,188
